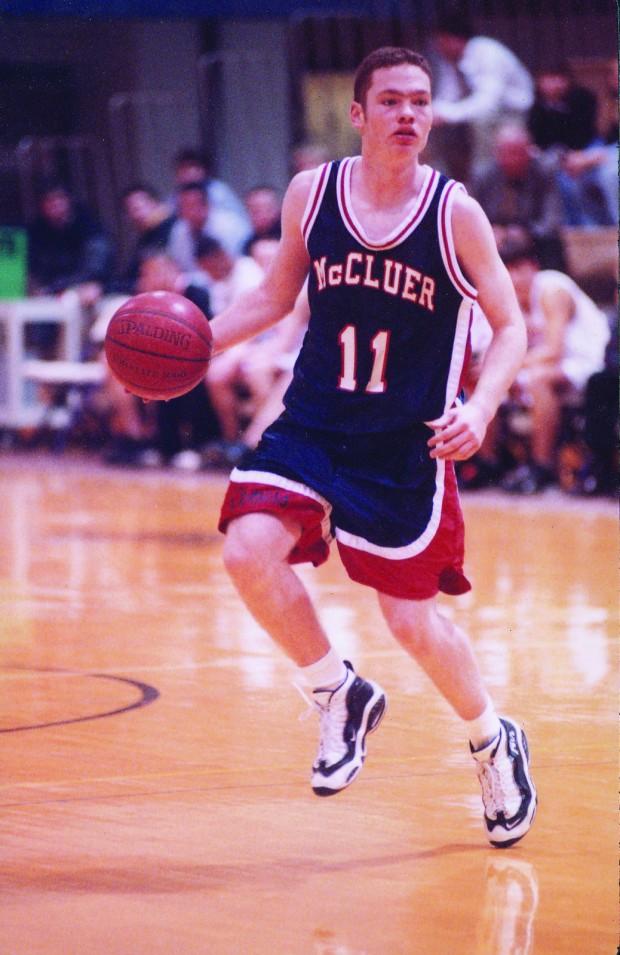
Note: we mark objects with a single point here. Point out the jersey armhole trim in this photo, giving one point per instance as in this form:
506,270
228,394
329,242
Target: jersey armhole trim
315,197
446,240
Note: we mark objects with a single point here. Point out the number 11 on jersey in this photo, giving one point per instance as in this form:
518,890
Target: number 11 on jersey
348,367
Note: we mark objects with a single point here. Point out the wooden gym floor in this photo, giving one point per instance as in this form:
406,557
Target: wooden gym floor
154,790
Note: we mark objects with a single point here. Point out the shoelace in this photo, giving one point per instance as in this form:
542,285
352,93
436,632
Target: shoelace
332,721
498,786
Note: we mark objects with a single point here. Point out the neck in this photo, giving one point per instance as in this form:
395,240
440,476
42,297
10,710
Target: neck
386,181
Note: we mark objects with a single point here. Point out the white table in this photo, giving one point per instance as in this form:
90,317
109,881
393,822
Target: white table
19,407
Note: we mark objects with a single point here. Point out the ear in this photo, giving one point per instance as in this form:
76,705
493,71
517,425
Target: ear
356,114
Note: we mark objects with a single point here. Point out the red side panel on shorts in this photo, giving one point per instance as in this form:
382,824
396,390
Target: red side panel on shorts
438,567
248,498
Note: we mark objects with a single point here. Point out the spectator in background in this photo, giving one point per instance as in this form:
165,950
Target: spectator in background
269,369
197,219
67,250
152,222
480,83
160,432
308,155
191,167
519,193
263,251
67,247
567,337
227,278
563,123
264,209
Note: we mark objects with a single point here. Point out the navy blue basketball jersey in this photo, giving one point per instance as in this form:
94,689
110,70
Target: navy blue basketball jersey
389,322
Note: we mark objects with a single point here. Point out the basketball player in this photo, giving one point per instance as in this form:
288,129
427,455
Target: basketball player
395,256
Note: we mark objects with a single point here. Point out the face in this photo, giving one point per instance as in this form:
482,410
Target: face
193,208
158,272
189,172
553,86
450,47
218,265
263,208
56,208
140,207
397,114
512,152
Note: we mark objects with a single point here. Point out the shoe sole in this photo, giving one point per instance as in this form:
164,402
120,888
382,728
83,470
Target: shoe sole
375,715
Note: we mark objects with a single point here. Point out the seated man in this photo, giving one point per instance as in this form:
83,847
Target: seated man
67,249
567,335
518,189
159,432
226,278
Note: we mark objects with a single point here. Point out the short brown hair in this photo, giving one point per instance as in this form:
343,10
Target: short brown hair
385,56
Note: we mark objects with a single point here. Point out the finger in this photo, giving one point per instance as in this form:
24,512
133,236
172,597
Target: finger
461,446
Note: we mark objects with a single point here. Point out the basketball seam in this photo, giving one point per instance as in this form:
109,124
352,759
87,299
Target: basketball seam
147,311
156,354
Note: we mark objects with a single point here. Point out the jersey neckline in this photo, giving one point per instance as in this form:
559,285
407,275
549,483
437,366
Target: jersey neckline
403,229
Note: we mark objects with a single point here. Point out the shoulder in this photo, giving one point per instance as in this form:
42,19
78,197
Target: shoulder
298,197
468,216
483,48
300,187
554,289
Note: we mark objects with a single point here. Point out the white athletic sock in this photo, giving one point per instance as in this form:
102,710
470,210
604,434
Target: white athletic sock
482,730
327,673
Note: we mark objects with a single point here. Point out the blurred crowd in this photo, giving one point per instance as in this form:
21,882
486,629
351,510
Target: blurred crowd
539,153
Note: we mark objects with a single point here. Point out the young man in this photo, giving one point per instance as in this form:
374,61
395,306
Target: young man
568,334
372,426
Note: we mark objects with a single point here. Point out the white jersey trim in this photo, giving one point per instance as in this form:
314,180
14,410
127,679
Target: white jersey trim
404,228
315,198
459,348
415,547
446,240
286,484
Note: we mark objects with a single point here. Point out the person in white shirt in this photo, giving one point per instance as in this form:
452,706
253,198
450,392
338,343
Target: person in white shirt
228,386
567,337
482,83
197,218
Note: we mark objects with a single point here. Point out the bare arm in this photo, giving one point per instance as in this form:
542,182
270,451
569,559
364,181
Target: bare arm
275,296
460,431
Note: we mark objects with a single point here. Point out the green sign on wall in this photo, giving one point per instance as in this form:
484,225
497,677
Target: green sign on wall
13,263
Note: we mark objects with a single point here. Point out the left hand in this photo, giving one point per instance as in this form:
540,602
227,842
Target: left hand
458,433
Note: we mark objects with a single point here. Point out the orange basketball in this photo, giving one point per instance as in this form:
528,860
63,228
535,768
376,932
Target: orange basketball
158,345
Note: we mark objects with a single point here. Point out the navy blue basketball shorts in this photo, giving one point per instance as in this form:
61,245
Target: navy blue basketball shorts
393,510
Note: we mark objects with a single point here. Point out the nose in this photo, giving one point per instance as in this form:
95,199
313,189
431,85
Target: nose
406,112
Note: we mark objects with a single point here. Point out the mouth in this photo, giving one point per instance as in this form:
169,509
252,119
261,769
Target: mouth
405,134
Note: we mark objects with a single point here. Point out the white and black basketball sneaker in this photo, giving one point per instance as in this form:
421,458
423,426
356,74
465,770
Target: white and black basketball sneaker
347,715
508,793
